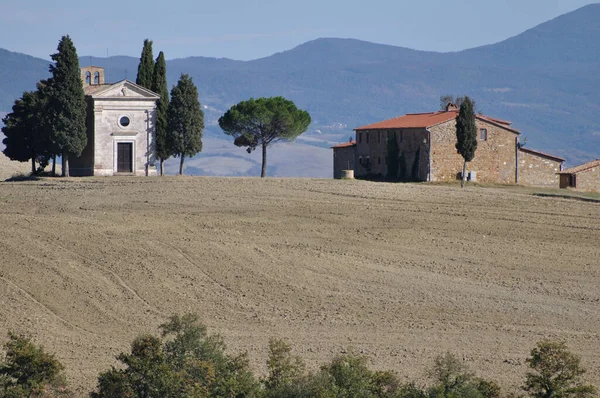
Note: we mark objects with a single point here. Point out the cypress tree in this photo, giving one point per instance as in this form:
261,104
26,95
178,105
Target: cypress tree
17,134
466,135
66,105
185,120
415,165
145,74
159,86
393,161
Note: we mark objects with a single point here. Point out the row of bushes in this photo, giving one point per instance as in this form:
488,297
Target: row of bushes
186,361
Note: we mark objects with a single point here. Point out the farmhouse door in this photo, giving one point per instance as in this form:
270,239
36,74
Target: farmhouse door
124,157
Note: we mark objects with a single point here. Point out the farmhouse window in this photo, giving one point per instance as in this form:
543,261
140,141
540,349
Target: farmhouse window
379,137
359,138
401,136
367,137
483,134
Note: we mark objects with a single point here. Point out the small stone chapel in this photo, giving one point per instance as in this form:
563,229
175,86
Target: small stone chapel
120,120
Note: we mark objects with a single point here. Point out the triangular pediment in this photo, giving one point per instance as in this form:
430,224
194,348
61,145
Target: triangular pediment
125,89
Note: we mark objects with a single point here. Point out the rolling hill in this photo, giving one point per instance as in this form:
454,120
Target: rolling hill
545,80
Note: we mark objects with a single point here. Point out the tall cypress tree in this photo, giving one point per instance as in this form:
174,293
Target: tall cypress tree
145,74
66,106
466,135
393,160
159,86
185,119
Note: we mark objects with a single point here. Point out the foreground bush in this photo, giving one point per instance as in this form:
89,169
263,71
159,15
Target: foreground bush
183,362
556,373
452,379
346,376
28,371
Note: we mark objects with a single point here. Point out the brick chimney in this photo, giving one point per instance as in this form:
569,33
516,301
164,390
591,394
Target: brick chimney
451,107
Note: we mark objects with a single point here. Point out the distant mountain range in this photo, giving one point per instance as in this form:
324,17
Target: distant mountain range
546,80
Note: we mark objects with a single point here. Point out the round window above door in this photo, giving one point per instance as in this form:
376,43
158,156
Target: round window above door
124,121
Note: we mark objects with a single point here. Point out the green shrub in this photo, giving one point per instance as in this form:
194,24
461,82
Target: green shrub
556,373
452,379
27,370
184,362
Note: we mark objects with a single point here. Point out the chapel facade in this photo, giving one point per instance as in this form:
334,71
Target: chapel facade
121,128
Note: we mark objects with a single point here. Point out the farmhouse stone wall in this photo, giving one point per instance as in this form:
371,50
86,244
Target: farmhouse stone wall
589,180
372,152
343,159
495,158
536,170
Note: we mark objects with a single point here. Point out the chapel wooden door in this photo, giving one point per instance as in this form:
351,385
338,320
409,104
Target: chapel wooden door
124,157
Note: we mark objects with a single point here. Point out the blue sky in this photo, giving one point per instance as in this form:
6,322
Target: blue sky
249,29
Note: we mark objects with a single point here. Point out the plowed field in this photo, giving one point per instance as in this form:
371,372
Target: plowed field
398,272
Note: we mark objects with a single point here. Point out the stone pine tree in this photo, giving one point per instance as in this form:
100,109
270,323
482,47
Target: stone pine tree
262,122
466,135
159,86
66,107
145,74
185,120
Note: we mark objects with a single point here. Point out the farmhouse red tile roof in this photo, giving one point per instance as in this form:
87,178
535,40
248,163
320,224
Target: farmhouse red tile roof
412,120
538,153
582,167
345,145
425,120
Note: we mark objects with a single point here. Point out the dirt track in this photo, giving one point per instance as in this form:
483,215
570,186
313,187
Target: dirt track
398,272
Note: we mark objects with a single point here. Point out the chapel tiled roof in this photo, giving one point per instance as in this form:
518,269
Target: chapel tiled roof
582,167
426,120
345,145
94,88
543,154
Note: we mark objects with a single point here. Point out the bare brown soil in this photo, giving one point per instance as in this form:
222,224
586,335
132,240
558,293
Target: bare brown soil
398,272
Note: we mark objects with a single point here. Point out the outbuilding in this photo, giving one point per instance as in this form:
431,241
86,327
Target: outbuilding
343,158
538,168
585,177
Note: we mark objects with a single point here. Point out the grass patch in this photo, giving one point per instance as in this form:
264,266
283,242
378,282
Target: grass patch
582,196
23,177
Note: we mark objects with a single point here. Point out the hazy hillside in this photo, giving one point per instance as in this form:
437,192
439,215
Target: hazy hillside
545,80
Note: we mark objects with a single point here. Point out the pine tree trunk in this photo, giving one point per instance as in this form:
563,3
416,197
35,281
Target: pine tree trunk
65,165
32,165
162,167
53,165
464,175
181,165
263,171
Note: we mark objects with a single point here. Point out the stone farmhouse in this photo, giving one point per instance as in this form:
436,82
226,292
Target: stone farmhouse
120,123
584,177
427,152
